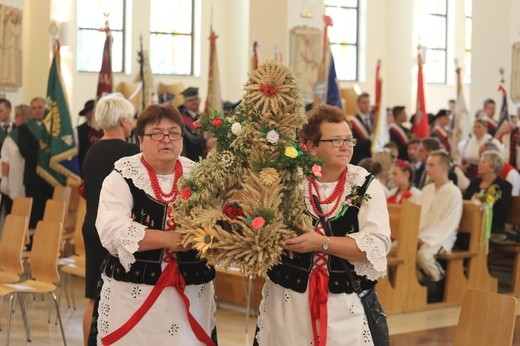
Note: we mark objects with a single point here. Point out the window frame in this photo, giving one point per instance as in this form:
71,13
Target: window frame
341,44
437,49
191,35
123,41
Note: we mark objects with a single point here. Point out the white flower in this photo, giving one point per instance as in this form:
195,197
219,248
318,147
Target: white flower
236,128
272,137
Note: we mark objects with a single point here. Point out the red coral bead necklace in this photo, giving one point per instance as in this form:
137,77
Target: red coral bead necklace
160,195
334,197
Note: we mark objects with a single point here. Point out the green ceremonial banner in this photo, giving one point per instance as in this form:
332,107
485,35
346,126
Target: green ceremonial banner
57,158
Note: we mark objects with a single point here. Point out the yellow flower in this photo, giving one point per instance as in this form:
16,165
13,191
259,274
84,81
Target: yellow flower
291,152
203,239
490,200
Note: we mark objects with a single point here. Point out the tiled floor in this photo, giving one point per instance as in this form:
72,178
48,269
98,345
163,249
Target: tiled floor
230,323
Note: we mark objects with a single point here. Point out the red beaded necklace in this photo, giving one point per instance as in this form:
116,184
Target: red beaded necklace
334,197
161,196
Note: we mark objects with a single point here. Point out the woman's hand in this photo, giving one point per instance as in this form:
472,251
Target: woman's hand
173,241
308,241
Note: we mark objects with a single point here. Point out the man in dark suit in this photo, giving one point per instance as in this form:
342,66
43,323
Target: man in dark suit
194,143
361,125
6,126
88,134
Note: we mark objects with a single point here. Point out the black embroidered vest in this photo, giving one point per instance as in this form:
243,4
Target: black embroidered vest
147,266
293,270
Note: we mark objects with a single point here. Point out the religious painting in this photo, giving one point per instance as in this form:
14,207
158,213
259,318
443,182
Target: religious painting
515,73
305,58
10,48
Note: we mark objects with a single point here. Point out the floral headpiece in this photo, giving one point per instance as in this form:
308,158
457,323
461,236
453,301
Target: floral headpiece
403,164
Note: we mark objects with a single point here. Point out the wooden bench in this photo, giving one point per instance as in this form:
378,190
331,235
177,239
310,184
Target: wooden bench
513,218
401,291
468,268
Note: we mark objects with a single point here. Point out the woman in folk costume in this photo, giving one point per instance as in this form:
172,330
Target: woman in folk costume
469,149
307,298
154,292
402,176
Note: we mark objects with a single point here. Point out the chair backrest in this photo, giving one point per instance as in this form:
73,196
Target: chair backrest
394,214
22,206
409,220
79,244
11,245
62,193
43,259
486,318
55,210
513,217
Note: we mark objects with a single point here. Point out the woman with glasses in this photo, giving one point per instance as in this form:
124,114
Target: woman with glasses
154,291
114,115
307,298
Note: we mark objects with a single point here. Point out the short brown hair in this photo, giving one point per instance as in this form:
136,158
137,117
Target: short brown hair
444,157
153,114
318,115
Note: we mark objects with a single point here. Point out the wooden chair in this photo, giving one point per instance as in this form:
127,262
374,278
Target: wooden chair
475,273
486,318
403,292
43,261
11,247
74,265
22,206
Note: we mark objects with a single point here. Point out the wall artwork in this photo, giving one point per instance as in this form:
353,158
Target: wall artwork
10,48
305,58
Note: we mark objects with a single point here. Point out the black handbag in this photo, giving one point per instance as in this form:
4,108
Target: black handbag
374,312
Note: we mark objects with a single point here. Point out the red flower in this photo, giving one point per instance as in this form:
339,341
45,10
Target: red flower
233,210
197,124
269,90
185,192
303,146
217,122
407,195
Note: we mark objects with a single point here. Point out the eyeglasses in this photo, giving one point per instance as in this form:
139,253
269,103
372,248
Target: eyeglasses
159,136
338,142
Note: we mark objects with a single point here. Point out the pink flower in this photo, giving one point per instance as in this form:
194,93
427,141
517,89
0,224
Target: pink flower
197,124
186,192
303,146
257,223
217,122
316,170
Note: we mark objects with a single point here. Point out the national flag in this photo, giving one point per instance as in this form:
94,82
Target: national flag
57,157
320,90
420,126
214,98
105,85
254,56
461,122
145,77
333,97
381,135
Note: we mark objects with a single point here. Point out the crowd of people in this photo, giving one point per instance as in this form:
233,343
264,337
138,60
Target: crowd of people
143,286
